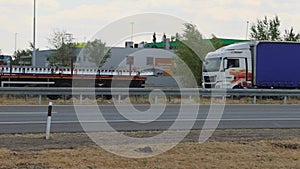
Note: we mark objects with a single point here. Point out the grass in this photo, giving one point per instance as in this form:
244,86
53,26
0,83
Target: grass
226,149
256,154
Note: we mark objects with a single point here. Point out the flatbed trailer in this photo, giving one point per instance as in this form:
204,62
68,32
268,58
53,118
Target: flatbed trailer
66,77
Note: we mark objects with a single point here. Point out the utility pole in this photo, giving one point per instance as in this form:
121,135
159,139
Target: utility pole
16,34
131,30
247,28
33,60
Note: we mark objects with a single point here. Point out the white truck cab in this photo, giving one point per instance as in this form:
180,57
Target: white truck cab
228,67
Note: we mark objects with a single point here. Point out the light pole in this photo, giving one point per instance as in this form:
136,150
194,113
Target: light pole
16,34
68,37
247,28
33,60
131,30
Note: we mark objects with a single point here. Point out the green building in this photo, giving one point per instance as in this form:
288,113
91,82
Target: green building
175,44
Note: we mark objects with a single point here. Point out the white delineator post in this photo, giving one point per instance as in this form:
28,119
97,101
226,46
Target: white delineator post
49,120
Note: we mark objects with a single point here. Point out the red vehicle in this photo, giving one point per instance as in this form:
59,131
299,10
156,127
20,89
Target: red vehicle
5,60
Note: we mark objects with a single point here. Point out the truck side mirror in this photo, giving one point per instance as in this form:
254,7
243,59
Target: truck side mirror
225,64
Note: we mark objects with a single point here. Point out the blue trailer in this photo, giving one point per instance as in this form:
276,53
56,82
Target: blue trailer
276,65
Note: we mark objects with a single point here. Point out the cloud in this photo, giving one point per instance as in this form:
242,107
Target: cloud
83,18
14,2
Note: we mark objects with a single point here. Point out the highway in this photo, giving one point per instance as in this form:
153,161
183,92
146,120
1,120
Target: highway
32,119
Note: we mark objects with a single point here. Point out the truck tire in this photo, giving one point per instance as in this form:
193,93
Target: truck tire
107,97
65,97
236,97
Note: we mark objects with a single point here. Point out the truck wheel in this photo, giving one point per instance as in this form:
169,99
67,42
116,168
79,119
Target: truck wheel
65,97
104,97
236,97
107,97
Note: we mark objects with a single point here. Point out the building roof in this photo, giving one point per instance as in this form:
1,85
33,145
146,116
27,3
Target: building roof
174,44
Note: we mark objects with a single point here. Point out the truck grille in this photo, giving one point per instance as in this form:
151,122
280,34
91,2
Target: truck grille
208,86
209,79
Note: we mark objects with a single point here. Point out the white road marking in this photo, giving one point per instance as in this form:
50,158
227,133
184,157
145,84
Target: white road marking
24,113
162,120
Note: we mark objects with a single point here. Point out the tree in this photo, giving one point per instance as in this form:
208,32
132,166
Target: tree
23,52
291,36
175,38
216,42
191,52
266,29
59,38
154,38
164,38
19,53
64,48
269,30
96,52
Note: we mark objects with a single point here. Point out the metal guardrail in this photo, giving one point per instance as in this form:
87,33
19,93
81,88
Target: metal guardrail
146,91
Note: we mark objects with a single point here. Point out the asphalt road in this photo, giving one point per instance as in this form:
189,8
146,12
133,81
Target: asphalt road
32,119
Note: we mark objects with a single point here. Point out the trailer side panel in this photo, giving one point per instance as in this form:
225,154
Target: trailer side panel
278,65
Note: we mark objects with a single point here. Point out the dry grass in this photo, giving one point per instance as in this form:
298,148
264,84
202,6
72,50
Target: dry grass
258,154
245,148
226,149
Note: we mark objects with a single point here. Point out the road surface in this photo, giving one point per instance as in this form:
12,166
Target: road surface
32,119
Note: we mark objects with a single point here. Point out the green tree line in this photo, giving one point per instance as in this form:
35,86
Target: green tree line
269,29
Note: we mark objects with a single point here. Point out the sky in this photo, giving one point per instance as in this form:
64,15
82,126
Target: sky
125,18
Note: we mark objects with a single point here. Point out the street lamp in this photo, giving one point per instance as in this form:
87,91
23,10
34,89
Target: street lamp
16,34
131,30
33,60
247,28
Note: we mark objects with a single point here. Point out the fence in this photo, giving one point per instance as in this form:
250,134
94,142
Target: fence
119,92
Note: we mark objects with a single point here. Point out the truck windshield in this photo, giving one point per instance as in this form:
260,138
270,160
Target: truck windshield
212,65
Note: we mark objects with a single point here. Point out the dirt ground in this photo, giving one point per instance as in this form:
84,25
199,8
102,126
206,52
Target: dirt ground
247,148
